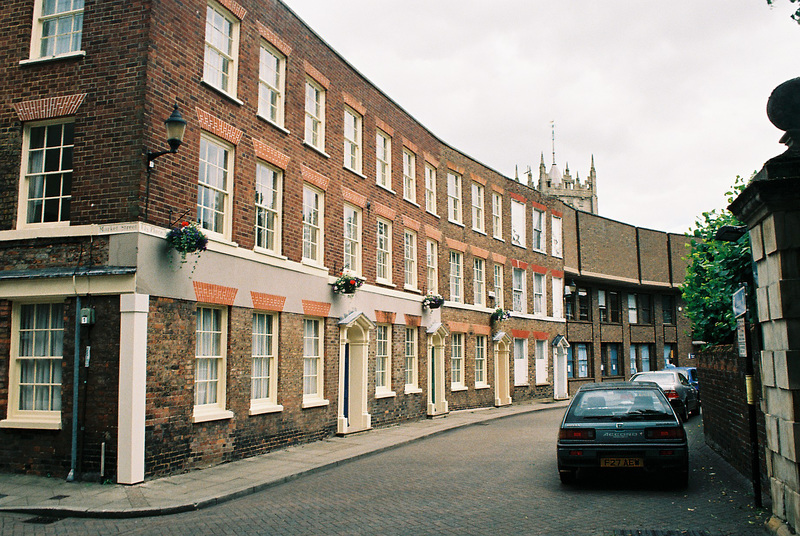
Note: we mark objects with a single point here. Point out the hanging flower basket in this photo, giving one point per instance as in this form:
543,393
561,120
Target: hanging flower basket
499,314
187,238
432,301
347,283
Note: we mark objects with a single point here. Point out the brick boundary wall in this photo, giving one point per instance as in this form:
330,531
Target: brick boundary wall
721,373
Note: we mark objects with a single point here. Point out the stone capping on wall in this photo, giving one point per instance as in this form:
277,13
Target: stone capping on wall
269,154
273,39
218,127
49,108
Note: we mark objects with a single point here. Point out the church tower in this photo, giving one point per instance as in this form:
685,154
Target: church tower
578,195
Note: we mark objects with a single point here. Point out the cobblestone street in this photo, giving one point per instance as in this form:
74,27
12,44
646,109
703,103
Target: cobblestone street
495,478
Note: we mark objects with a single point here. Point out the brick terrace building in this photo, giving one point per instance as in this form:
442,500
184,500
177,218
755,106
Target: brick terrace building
297,169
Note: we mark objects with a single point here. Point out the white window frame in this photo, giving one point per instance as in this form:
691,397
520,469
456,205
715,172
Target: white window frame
633,309
313,225
412,361
53,329
271,84
457,362
383,159
456,277
539,224
268,205
479,281
351,241
215,178
42,19
430,188
383,251
33,167
353,150
478,208
497,215
383,361
499,285
558,297
314,133
213,49
540,349
211,346
313,362
410,259
539,294
481,378
454,198
518,225
432,266
409,176
519,302
264,375
557,230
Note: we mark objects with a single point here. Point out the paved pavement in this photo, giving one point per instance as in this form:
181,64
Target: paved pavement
207,487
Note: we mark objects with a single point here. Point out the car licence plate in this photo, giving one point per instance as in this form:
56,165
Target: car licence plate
621,462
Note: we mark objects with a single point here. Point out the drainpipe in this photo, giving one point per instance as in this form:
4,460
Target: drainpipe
76,370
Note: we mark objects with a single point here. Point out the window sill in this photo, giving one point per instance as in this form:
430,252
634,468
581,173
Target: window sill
385,394
479,231
499,238
354,172
433,214
454,222
412,390
206,414
315,403
522,385
479,386
411,201
269,253
222,92
455,387
388,189
316,149
273,123
33,423
384,283
70,55
260,408
413,289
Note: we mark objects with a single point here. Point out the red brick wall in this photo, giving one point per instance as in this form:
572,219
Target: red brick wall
725,413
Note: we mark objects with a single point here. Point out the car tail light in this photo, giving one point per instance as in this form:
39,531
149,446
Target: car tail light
576,433
674,432
672,395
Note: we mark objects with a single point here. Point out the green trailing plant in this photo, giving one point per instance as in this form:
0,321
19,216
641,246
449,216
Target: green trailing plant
716,269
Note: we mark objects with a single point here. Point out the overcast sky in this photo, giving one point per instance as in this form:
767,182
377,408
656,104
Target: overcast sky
668,96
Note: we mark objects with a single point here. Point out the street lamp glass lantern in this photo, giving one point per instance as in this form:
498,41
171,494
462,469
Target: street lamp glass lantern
176,126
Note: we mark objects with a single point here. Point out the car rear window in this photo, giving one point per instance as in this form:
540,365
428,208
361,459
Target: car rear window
663,379
619,405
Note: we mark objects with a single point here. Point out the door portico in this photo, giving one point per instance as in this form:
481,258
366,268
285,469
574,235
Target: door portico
353,357
502,371
437,404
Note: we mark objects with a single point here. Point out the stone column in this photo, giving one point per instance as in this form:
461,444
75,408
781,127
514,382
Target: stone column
770,207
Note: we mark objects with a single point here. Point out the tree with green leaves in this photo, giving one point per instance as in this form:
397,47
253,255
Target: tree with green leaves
716,269
795,16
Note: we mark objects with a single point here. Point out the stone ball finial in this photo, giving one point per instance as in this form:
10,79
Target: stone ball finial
783,109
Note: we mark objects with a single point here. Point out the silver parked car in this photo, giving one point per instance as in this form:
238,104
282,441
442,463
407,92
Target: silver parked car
679,391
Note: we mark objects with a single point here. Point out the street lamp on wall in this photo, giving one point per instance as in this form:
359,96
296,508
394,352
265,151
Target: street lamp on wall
176,127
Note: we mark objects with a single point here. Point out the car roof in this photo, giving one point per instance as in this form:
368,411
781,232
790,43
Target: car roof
605,386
